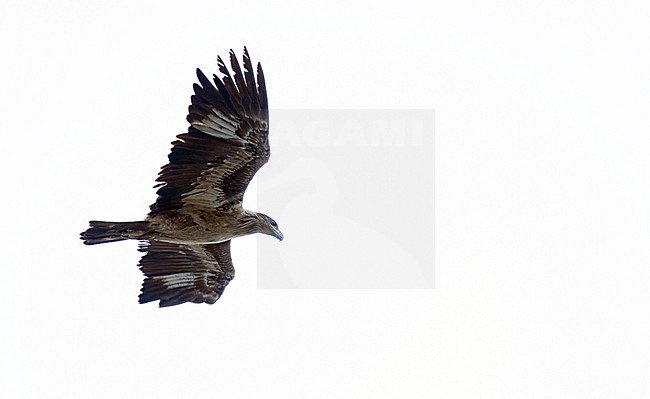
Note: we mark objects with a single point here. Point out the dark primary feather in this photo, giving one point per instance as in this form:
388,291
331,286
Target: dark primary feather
227,142
178,273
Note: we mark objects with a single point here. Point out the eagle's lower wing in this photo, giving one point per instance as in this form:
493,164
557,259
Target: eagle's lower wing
179,273
227,142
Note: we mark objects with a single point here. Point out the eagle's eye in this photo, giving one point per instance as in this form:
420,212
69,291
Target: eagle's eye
273,223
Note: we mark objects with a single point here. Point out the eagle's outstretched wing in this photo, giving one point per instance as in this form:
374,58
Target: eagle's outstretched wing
211,165
179,273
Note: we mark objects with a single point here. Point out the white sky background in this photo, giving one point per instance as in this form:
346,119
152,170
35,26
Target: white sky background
542,201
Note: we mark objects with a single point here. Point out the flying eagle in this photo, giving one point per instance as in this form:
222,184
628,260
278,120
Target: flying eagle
187,233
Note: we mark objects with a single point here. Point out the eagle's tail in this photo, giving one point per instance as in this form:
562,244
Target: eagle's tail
101,232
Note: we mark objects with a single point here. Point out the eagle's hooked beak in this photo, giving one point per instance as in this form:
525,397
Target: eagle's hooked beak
279,235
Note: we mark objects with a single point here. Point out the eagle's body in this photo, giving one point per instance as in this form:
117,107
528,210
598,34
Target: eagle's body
199,226
199,207
188,225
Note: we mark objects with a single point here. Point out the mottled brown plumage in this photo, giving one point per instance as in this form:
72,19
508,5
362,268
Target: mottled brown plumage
187,233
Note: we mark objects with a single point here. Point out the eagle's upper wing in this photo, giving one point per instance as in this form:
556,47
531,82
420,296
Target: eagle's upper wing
179,273
211,165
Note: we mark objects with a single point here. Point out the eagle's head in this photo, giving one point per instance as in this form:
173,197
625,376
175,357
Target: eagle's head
267,225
